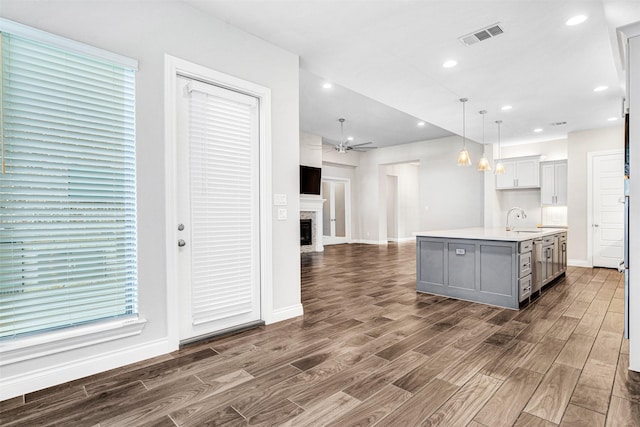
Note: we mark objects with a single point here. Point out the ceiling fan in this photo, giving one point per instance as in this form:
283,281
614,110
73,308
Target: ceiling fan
344,145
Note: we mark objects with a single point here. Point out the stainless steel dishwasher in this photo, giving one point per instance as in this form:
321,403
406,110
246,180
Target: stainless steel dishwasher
537,273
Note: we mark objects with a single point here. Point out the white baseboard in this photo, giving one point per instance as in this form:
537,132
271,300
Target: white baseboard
579,263
79,368
370,242
280,314
402,239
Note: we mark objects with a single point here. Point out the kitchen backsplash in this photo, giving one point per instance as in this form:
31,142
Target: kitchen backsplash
554,215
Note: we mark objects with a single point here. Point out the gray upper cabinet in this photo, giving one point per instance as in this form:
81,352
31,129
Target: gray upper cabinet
519,172
553,185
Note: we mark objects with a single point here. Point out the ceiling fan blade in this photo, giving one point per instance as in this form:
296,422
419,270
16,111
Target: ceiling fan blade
361,144
354,148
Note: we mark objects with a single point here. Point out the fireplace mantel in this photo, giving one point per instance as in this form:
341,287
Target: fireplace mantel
311,204
314,204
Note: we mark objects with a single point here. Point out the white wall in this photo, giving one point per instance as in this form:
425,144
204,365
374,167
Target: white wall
449,196
146,31
579,144
311,150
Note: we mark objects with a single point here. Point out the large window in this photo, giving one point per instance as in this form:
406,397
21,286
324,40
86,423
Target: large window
67,187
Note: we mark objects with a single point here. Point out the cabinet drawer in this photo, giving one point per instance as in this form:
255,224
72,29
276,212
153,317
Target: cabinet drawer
524,287
563,237
526,246
524,265
547,240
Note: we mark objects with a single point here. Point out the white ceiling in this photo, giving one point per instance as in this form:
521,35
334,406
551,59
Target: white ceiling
392,52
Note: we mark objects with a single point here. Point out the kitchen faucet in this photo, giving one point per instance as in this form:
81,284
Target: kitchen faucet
520,213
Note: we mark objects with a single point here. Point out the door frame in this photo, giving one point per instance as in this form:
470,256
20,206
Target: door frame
590,157
172,68
347,211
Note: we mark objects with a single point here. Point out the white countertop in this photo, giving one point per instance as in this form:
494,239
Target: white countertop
497,233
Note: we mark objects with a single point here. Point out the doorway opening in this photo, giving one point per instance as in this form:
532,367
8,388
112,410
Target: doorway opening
402,201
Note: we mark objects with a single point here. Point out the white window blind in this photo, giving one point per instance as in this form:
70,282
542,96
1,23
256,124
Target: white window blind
224,203
67,188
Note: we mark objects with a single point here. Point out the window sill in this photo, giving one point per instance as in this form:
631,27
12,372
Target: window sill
54,342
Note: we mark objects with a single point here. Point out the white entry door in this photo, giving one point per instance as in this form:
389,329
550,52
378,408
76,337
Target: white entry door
218,208
336,218
607,209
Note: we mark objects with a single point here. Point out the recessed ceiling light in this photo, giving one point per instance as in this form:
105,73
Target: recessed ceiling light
421,124
450,63
327,85
575,20
536,130
612,119
349,138
506,108
600,88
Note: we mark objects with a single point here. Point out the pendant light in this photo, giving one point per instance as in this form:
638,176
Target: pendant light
463,157
499,166
483,163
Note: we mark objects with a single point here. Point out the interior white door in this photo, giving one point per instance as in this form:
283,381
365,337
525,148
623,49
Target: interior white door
608,209
218,208
335,212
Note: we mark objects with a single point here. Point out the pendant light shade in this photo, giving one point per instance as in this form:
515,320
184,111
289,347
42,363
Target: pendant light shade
463,157
483,163
499,166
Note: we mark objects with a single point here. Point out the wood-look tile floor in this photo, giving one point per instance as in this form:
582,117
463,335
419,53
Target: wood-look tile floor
369,350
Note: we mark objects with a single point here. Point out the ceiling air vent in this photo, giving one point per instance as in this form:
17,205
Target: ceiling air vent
481,35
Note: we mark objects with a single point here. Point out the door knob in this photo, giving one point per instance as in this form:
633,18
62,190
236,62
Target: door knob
181,243
596,225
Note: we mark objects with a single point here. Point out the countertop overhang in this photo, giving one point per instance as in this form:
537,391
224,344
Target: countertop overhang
487,233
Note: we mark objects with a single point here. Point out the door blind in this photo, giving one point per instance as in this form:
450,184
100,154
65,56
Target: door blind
67,189
224,197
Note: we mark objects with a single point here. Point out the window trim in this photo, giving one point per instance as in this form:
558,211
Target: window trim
64,43
48,343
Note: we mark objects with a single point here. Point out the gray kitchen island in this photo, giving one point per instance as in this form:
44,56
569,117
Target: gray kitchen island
489,265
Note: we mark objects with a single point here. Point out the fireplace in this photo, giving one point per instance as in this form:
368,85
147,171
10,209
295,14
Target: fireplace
306,233
311,210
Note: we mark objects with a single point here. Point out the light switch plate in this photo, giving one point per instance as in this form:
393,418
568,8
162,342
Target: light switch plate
282,214
280,199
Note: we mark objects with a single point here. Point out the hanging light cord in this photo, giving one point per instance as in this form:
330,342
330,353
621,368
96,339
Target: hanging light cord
483,112
499,148
464,138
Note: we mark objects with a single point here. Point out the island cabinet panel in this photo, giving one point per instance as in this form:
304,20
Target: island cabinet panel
462,265
497,270
431,265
